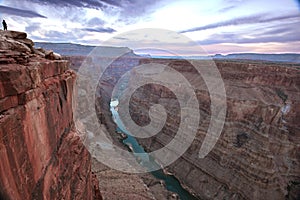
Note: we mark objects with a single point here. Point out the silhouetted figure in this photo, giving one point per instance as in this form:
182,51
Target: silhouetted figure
4,25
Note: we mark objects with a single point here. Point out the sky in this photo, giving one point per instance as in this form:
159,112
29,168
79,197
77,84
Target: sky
218,26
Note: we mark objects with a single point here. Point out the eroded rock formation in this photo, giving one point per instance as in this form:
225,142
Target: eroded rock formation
258,153
115,184
41,155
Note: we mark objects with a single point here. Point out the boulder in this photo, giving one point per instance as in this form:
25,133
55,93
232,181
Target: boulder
26,41
52,56
15,34
10,44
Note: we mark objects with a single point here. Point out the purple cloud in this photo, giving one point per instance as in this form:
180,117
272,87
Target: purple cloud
95,22
100,4
19,12
127,8
242,20
282,34
226,9
100,30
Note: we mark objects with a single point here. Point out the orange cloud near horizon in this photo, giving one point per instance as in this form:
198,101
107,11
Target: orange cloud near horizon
272,47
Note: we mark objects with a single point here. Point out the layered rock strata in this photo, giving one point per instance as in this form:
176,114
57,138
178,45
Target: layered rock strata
115,184
258,153
41,155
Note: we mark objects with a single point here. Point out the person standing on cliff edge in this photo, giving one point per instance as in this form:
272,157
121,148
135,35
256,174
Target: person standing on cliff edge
4,25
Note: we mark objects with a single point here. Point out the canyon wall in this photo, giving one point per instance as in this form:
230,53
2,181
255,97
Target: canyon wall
258,153
41,155
115,184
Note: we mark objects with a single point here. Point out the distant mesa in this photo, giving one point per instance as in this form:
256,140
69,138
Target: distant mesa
288,57
66,49
71,49
218,55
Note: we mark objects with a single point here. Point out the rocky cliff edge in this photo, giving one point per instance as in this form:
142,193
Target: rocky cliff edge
41,155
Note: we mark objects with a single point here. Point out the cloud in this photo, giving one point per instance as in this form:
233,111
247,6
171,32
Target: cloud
241,21
110,12
100,30
57,36
134,8
126,8
231,38
229,5
275,31
95,22
290,47
101,4
19,12
283,34
33,27
226,9
120,38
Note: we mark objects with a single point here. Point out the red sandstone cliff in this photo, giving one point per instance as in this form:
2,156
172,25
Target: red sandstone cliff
41,155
